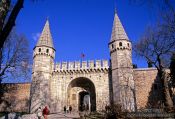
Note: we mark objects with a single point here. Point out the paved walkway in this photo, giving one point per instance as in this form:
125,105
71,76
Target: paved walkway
73,115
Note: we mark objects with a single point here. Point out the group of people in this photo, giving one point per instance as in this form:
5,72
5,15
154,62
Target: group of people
44,112
67,109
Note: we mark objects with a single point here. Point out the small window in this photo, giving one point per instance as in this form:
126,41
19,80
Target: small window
39,49
120,44
128,44
47,51
112,46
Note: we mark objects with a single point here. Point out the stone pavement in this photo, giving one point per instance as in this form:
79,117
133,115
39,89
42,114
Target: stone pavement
73,115
59,115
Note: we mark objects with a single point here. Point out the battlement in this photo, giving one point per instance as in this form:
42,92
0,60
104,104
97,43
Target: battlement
82,65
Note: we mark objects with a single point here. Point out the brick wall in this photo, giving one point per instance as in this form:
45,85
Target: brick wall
15,97
148,88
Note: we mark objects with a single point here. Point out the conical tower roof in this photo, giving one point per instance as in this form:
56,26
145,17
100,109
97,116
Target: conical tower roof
118,32
46,37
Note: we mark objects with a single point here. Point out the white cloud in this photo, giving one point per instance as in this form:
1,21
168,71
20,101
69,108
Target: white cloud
36,36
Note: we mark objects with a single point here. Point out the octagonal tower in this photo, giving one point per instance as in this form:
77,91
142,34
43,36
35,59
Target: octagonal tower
121,66
43,65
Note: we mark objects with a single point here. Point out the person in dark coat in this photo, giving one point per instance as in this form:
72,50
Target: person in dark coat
64,109
70,108
39,113
45,112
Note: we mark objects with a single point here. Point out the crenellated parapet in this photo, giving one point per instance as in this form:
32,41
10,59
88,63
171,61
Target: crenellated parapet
76,66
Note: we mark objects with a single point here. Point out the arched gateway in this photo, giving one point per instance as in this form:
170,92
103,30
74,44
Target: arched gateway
83,85
81,94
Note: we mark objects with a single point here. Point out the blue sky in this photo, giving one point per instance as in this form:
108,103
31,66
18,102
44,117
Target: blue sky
82,26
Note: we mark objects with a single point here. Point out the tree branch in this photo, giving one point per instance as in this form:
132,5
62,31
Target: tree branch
11,22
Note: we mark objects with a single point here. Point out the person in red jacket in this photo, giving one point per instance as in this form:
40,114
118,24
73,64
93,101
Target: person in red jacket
45,112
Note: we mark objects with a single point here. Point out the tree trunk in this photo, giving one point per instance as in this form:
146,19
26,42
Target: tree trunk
167,96
164,81
4,8
1,58
11,22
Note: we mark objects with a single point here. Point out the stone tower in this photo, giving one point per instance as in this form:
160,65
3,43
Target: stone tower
121,66
43,64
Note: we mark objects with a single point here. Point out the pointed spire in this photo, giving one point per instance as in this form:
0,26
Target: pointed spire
46,37
118,32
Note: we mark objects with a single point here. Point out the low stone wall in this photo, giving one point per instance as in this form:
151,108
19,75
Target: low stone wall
15,97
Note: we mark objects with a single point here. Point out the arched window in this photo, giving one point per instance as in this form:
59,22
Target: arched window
39,49
112,46
47,50
128,44
120,44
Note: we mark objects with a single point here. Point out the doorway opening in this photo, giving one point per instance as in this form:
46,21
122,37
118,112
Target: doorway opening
81,94
84,101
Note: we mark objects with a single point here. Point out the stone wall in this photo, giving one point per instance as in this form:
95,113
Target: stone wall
148,88
15,97
146,83
97,72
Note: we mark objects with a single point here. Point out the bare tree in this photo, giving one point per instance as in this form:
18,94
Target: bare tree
158,42
157,46
8,13
15,58
14,61
172,70
159,4
9,10
172,77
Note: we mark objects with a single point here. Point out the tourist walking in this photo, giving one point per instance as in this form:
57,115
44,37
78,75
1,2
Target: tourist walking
64,109
45,112
39,113
67,109
70,109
